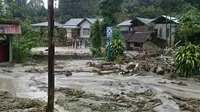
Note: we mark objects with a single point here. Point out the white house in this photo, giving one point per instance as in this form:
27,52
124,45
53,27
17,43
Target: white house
162,27
79,28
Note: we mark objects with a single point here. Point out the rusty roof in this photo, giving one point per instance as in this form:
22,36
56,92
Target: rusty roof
140,37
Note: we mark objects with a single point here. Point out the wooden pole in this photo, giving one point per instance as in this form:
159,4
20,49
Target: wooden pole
170,27
51,52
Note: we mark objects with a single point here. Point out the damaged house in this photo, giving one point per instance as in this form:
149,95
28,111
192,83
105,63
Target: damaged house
164,28
137,33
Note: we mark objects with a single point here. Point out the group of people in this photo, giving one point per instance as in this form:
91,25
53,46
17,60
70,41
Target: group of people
76,43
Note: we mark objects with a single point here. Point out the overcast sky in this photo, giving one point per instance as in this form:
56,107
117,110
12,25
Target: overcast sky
46,3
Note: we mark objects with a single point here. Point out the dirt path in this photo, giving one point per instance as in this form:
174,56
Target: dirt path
86,90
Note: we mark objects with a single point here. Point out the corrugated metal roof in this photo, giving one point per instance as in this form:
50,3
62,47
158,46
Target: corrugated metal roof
70,27
77,21
45,24
74,22
93,20
171,18
145,20
125,23
162,19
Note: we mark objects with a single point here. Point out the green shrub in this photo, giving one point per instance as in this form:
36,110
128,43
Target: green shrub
23,43
116,48
187,60
95,52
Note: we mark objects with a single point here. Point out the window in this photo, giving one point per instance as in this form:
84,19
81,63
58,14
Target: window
160,33
86,31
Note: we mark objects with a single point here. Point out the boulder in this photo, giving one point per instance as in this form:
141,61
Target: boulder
68,73
117,66
160,71
132,66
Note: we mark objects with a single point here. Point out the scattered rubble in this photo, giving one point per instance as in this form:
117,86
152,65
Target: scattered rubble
35,70
188,104
7,70
78,100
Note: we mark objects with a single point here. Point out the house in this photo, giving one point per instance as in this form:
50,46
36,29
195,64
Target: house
125,26
135,40
7,30
165,27
45,24
141,24
79,28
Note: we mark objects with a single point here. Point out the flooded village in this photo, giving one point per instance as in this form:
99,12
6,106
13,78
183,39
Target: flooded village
105,55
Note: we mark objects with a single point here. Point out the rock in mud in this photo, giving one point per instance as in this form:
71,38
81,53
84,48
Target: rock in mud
68,73
35,70
108,67
90,64
160,71
180,83
132,66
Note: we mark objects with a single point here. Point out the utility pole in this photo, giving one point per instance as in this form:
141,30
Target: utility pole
51,52
170,25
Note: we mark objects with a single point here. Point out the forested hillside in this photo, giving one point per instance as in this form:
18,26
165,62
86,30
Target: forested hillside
36,12
129,8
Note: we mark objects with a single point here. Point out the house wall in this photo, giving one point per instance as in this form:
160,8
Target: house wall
124,28
84,25
161,32
69,32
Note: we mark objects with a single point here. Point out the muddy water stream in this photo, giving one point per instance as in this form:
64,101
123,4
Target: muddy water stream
93,88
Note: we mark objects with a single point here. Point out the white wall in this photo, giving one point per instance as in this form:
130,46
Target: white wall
163,27
84,24
69,32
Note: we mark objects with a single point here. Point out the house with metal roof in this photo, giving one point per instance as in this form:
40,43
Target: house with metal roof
45,24
141,24
125,25
79,27
78,30
165,27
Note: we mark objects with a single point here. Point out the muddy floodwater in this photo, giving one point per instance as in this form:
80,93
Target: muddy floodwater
86,91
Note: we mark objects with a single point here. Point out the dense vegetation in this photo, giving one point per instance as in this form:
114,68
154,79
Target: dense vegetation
187,60
96,39
112,11
35,11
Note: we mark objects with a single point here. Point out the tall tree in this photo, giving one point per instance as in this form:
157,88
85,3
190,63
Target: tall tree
109,10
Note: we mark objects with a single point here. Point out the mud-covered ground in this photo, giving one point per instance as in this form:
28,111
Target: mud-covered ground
9,103
78,101
85,91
